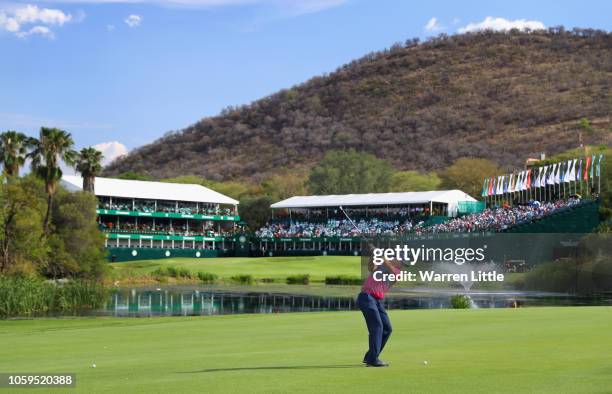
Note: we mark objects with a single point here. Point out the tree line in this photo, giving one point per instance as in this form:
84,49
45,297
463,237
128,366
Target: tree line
45,230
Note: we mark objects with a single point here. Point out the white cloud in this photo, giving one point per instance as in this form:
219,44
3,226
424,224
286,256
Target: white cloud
133,20
43,31
433,25
32,14
9,24
16,19
501,24
111,150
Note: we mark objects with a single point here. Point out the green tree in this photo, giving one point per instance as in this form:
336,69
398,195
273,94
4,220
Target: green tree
13,151
89,164
52,147
413,181
22,207
76,244
255,210
585,125
134,176
285,184
343,172
468,174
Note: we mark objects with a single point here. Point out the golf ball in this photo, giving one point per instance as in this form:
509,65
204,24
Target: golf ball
425,362
93,365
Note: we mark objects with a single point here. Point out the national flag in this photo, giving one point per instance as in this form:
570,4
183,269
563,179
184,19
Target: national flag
558,174
484,188
599,165
579,172
491,184
551,174
517,180
586,168
568,171
592,165
541,172
528,183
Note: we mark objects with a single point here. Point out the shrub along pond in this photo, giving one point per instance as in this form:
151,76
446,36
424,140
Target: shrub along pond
36,297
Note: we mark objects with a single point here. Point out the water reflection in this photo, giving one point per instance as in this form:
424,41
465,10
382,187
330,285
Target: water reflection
197,302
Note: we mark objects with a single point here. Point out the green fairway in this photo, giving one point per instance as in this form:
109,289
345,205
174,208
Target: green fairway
551,350
277,268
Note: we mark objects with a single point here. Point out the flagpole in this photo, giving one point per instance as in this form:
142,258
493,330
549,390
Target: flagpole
598,173
599,178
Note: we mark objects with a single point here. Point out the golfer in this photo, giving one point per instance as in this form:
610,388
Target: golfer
377,320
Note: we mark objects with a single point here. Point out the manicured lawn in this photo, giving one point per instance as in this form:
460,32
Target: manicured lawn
543,350
277,268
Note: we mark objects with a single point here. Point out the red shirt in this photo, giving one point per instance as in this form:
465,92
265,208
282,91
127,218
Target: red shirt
376,288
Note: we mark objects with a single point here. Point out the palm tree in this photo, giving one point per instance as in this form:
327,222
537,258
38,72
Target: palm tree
52,147
13,151
88,163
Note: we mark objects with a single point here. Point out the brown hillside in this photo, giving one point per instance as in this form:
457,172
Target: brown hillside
502,96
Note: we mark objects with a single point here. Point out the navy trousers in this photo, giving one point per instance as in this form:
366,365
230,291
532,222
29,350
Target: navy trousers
379,325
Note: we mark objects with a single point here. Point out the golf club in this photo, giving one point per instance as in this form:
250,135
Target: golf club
350,220
368,244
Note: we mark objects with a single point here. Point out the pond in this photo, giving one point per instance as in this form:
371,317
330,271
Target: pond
195,301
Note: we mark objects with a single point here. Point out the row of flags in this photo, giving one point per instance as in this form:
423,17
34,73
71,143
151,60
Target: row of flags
572,170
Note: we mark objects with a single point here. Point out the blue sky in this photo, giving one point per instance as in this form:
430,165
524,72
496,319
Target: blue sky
131,70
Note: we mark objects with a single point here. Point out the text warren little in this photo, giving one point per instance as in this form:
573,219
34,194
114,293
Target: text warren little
433,276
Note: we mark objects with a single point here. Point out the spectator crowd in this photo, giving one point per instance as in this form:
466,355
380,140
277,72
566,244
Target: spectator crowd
164,229
497,219
335,228
165,207
492,219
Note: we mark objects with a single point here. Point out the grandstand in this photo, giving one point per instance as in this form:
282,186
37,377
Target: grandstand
316,223
143,219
